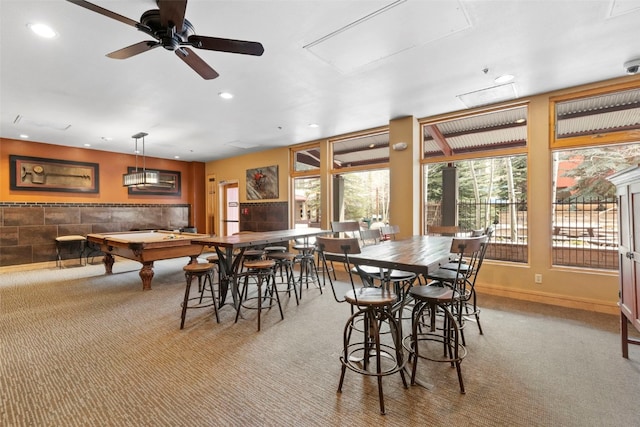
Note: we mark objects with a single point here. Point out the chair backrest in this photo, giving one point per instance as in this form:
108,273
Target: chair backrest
470,252
389,232
347,228
337,245
443,230
371,236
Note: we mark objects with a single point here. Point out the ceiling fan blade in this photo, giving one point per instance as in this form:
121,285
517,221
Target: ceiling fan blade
226,45
134,49
195,62
102,11
172,13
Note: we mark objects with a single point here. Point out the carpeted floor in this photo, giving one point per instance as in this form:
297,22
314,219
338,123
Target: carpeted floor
79,348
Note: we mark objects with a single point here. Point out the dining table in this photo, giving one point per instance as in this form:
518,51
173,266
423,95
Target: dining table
230,250
416,254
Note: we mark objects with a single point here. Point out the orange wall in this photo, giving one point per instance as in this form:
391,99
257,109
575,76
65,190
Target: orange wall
112,166
235,169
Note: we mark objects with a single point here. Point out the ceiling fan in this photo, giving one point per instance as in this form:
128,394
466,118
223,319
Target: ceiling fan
172,31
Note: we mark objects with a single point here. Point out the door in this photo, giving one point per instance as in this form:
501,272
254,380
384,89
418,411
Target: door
212,227
230,208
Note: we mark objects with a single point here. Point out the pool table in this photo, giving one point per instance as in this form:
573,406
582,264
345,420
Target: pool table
146,247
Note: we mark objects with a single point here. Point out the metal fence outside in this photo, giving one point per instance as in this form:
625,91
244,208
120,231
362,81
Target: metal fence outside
584,231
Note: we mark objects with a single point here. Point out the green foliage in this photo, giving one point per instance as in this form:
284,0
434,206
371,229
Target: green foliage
490,179
366,194
592,166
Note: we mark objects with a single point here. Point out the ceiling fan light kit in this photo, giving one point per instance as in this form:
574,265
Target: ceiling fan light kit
172,31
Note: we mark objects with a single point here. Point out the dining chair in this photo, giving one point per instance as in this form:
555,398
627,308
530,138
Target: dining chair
443,230
371,307
389,232
346,228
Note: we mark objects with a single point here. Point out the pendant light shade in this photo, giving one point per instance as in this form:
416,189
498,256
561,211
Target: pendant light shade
143,177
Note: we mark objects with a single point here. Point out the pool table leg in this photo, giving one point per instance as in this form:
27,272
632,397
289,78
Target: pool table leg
108,263
146,274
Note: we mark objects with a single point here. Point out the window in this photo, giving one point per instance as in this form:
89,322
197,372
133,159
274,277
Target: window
366,196
307,201
475,175
594,134
585,226
490,192
306,159
360,171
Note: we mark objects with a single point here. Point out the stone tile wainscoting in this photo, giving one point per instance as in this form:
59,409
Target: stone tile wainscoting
264,216
28,230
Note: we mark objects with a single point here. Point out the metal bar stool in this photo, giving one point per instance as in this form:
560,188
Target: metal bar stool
369,355
69,241
308,268
284,263
204,273
440,303
261,271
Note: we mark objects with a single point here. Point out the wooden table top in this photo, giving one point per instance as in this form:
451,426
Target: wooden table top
416,254
260,237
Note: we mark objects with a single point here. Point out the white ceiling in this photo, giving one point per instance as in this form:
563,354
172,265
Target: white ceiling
345,65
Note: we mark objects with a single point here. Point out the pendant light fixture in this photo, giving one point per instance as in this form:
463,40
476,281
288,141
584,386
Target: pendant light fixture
144,177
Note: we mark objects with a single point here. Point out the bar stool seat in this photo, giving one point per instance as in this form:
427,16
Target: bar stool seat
262,272
204,272
69,241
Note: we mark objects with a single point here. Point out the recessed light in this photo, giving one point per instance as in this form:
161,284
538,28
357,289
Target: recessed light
313,125
87,145
505,78
176,157
23,135
372,145
521,120
225,95
42,30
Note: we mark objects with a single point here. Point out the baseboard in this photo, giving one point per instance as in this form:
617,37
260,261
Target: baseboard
551,299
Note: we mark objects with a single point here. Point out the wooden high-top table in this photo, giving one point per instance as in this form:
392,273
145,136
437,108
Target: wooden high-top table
227,245
416,254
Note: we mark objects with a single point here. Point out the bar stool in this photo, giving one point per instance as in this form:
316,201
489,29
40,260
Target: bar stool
203,271
66,241
441,301
308,268
284,263
263,273
215,260
371,307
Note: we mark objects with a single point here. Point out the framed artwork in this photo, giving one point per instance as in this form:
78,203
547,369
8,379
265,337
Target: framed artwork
40,174
170,184
262,183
